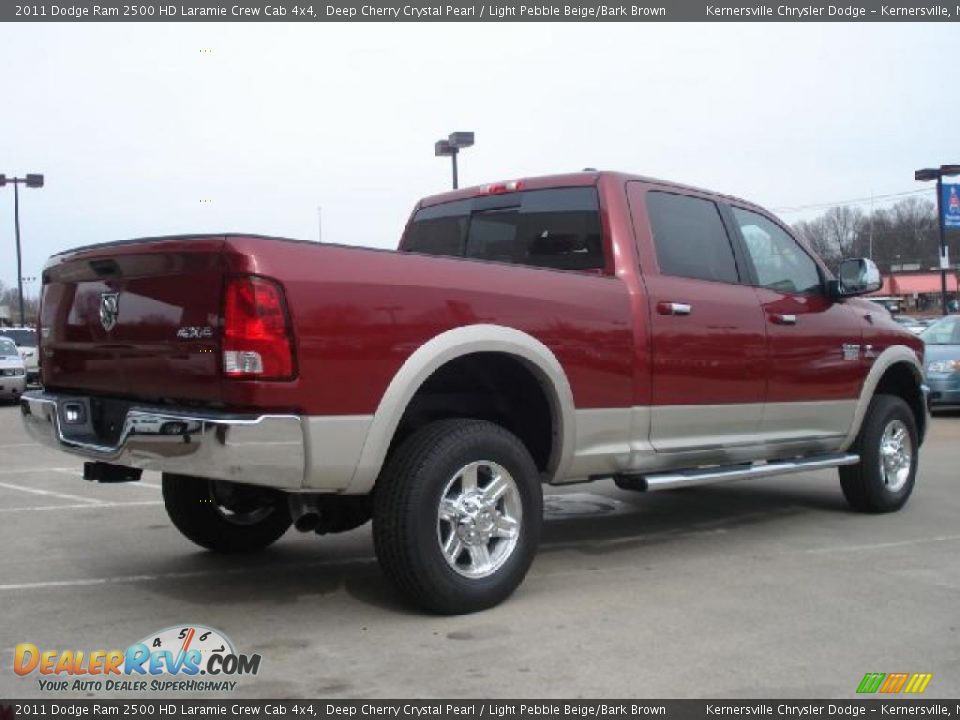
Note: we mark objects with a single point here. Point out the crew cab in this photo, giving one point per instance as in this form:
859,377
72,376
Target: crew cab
550,330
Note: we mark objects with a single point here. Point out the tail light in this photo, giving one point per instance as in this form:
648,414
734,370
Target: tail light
257,338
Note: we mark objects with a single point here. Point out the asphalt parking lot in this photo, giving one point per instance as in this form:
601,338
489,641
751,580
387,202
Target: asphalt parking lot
761,588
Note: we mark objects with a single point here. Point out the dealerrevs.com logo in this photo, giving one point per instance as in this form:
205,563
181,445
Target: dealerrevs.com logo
181,658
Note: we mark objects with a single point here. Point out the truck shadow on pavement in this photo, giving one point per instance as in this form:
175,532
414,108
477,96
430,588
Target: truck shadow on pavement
597,524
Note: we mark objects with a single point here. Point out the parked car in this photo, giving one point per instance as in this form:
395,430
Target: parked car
550,330
942,361
13,374
26,341
892,304
913,324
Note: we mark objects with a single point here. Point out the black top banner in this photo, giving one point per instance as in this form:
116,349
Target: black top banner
478,709
466,11
482,709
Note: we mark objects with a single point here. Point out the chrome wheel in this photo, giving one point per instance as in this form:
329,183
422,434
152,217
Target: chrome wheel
478,522
237,505
896,455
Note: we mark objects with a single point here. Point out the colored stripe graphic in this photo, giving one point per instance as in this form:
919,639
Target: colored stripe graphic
918,682
871,682
894,682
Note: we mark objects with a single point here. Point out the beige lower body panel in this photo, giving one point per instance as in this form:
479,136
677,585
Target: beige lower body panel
333,445
657,439
610,441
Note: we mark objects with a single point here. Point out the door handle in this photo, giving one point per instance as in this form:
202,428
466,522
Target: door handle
781,319
674,308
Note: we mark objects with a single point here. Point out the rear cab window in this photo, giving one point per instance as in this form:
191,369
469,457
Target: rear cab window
557,228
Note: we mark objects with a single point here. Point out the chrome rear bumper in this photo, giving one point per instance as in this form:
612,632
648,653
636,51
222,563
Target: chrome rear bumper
254,449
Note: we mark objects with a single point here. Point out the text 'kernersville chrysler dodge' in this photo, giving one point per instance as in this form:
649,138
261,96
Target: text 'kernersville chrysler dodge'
549,330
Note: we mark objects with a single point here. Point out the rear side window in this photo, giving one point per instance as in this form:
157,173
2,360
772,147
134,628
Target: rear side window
690,238
557,228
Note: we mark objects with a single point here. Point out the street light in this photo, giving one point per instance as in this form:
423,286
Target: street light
31,181
938,174
451,147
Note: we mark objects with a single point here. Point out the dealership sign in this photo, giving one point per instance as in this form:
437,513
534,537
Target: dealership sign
951,206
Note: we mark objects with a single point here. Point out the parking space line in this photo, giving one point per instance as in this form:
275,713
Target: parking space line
21,471
18,445
130,579
882,545
83,506
50,493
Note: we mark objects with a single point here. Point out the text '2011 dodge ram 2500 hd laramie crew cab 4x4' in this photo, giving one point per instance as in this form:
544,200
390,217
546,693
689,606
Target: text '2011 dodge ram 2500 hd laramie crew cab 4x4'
551,330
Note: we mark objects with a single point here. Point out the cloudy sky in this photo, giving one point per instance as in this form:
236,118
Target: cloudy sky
169,128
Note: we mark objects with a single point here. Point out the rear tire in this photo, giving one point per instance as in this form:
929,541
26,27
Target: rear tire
223,516
457,516
887,444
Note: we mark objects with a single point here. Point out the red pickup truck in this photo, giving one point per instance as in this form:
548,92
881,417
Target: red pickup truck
551,330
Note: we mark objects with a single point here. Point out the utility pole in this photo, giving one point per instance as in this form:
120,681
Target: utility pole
31,181
450,147
16,225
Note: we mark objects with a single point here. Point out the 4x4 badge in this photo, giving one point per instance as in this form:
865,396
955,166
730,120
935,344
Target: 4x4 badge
109,309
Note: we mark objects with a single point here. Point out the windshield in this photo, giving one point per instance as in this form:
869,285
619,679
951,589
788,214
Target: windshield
943,332
7,348
24,337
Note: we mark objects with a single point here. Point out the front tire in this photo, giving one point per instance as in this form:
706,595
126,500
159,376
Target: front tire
888,446
457,516
223,516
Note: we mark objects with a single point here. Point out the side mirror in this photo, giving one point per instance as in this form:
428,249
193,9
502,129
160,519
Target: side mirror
858,276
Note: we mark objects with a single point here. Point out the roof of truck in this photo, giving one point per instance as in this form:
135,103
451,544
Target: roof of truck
578,179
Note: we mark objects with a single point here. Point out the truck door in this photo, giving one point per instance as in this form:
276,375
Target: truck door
815,365
708,343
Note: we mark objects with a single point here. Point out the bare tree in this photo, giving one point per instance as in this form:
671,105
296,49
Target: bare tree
11,299
904,233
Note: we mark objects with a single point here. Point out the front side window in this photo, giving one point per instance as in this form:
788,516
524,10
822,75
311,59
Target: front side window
781,264
690,238
7,348
558,228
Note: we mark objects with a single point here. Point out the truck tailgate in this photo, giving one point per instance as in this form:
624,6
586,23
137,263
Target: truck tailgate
137,319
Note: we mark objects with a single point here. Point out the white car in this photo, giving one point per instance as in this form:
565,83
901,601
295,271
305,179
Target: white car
13,374
25,339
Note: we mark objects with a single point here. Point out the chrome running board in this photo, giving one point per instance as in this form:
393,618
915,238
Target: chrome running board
705,476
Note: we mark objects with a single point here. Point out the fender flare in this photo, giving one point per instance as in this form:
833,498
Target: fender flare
888,358
448,346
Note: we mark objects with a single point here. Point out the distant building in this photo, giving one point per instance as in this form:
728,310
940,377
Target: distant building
918,290
5,315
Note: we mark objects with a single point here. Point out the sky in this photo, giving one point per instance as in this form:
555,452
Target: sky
153,129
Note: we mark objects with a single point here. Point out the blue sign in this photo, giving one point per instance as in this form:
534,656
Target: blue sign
951,206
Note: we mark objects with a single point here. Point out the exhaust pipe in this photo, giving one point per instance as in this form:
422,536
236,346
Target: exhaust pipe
305,512
307,522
